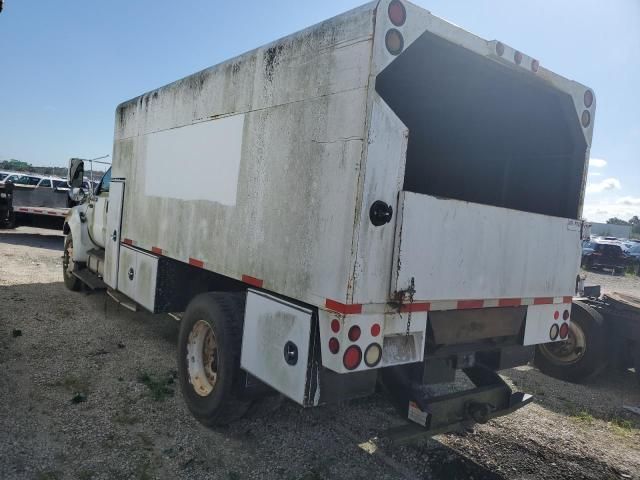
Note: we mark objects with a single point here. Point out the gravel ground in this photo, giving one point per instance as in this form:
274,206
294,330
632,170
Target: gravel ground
82,346
613,283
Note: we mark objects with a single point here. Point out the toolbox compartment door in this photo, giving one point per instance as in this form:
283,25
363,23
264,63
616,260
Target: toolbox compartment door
276,346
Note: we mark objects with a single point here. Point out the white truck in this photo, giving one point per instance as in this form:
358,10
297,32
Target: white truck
382,196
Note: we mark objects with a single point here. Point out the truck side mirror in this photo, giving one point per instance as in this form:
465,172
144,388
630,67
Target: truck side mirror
76,172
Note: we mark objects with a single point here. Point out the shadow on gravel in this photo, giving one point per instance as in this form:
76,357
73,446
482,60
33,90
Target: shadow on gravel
37,240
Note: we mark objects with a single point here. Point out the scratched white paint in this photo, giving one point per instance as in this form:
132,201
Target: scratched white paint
318,145
195,162
461,250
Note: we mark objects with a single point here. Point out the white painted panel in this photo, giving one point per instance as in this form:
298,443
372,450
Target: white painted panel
461,250
212,152
270,323
114,220
540,318
127,263
137,276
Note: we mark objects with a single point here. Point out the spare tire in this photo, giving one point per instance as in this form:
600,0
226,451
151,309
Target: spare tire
583,355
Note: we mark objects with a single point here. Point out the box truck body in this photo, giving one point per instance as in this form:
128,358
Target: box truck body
384,170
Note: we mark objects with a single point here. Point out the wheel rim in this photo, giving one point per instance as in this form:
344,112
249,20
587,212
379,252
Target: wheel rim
202,358
67,260
568,352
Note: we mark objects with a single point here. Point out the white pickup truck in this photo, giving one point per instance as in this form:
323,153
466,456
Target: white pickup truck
382,196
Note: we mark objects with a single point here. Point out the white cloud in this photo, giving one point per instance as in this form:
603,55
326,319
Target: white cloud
595,174
597,163
604,185
621,207
632,201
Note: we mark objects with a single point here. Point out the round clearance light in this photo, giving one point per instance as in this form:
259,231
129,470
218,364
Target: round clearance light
556,315
394,41
334,345
517,57
553,333
564,331
535,65
354,333
586,118
397,13
372,355
500,48
375,330
588,98
566,315
335,325
352,357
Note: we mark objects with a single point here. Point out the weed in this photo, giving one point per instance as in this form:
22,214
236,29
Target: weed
583,416
622,426
159,388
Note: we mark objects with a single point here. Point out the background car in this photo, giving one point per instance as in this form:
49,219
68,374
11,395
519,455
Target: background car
606,254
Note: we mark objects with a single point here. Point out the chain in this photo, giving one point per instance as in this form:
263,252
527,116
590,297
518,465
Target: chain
411,291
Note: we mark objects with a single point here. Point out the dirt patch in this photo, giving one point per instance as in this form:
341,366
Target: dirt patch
132,422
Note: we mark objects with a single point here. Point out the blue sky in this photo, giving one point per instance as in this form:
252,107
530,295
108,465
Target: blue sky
64,66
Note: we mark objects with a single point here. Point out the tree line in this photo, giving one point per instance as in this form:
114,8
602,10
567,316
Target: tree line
633,221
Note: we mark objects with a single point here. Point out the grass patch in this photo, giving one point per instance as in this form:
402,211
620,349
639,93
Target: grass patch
622,426
583,416
159,387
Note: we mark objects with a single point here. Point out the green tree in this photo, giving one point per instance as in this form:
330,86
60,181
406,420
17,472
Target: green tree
617,221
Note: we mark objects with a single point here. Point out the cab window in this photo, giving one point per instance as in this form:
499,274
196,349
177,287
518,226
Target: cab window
105,183
45,182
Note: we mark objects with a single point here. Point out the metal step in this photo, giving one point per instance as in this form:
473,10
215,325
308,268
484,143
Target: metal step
97,252
123,300
90,279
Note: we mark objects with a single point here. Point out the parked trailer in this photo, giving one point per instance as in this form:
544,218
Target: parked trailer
605,331
380,196
7,215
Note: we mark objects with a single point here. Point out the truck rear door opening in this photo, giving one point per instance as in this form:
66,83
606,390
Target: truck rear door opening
485,132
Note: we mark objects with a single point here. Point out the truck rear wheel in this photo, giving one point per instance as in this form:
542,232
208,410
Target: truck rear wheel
583,355
70,280
209,345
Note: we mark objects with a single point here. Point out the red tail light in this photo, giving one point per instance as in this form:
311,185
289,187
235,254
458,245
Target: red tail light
334,345
535,65
586,118
335,325
564,331
556,315
397,13
375,330
565,315
352,357
588,98
354,333
517,57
